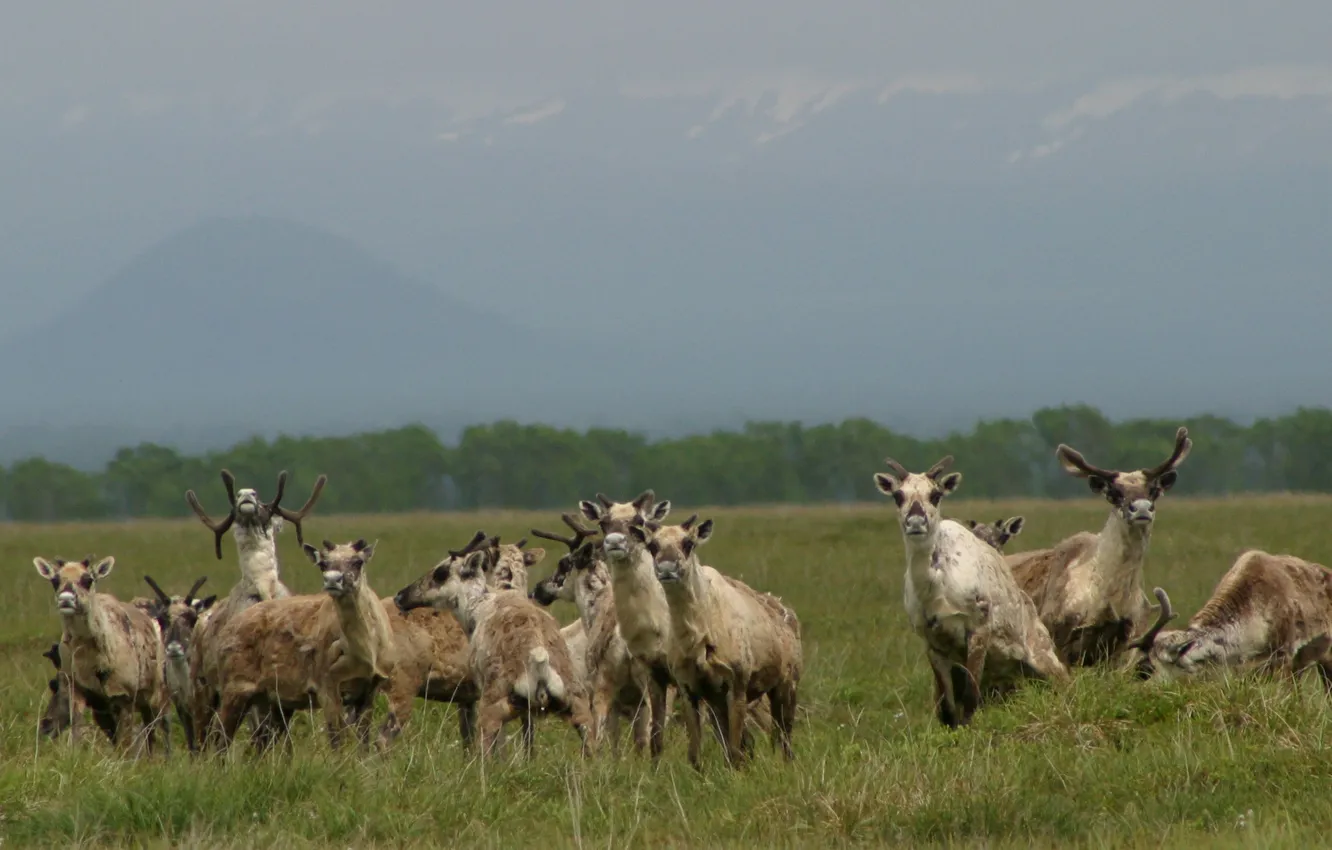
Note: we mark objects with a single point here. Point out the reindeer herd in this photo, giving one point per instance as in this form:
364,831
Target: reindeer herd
655,624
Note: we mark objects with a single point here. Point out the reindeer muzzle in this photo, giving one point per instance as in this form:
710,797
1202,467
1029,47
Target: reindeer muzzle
67,602
1141,511
616,546
668,572
334,584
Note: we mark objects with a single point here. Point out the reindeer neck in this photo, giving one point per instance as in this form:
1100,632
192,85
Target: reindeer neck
474,607
690,603
1121,550
93,624
590,602
256,551
920,556
365,624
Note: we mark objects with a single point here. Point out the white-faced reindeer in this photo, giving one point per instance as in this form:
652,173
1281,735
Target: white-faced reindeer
981,632
255,525
519,660
730,645
1270,612
640,603
1088,588
618,685
998,532
177,617
110,653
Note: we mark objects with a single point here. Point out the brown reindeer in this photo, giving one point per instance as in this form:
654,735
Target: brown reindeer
177,617
519,660
1271,612
110,652
1088,588
255,525
997,533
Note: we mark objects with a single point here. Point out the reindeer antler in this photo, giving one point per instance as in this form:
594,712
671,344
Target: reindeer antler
218,528
295,517
194,588
161,594
896,468
605,502
645,500
1075,464
1183,445
580,533
477,540
1167,614
939,468
687,524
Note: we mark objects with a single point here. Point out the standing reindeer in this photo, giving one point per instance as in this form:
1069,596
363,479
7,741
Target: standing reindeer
177,617
981,631
255,525
1088,588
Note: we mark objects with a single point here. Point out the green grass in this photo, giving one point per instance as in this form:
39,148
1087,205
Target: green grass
1105,762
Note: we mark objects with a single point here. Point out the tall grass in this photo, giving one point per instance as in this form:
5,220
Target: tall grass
1107,761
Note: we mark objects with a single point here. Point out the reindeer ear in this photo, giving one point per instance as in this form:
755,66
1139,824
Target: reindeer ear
704,531
104,567
367,550
638,533
591,510
202,605
950,482
1013,527
660,510
533,556
311,552
44,568
886,484
1098,484
1167,480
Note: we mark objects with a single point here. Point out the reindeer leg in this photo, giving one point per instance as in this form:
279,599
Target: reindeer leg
692,729
978,645
580,717
466,722
736,706
493,715
657,693
945,705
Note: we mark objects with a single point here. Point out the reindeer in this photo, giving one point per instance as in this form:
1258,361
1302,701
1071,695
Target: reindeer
1088,588
177,617
729,644
981,631
999,532
255,526
279,653
110,653
60,713
1270,612
511,562
644,618
519,661
618,684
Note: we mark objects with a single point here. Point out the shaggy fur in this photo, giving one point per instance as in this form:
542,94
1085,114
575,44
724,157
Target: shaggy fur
110,654
729,644
1268,611
1088,589
432,665
519,661
982,633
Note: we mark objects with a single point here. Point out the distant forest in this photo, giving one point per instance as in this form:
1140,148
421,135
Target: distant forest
511,465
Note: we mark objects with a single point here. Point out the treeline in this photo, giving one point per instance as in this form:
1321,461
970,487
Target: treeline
507,464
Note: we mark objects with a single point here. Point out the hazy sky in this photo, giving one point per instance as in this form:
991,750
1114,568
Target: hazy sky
475,53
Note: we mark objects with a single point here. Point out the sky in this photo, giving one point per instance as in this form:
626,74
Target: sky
790,170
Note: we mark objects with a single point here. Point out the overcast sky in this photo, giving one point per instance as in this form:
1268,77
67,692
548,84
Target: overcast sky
463,50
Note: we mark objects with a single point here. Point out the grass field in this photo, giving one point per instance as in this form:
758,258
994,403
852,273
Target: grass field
1106,762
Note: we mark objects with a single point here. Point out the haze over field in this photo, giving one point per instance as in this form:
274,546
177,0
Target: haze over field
322,217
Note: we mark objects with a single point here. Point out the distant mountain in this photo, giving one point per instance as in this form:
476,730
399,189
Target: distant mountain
256,325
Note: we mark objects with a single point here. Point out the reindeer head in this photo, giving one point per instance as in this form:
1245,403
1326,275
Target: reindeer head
674,548
998,533
1132,494
250,512
615,519
74,581
572,568
341,565
1159,650
425,592
177,617
510,562
918,495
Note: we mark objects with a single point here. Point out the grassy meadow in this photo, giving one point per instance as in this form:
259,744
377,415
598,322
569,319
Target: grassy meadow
1107,761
